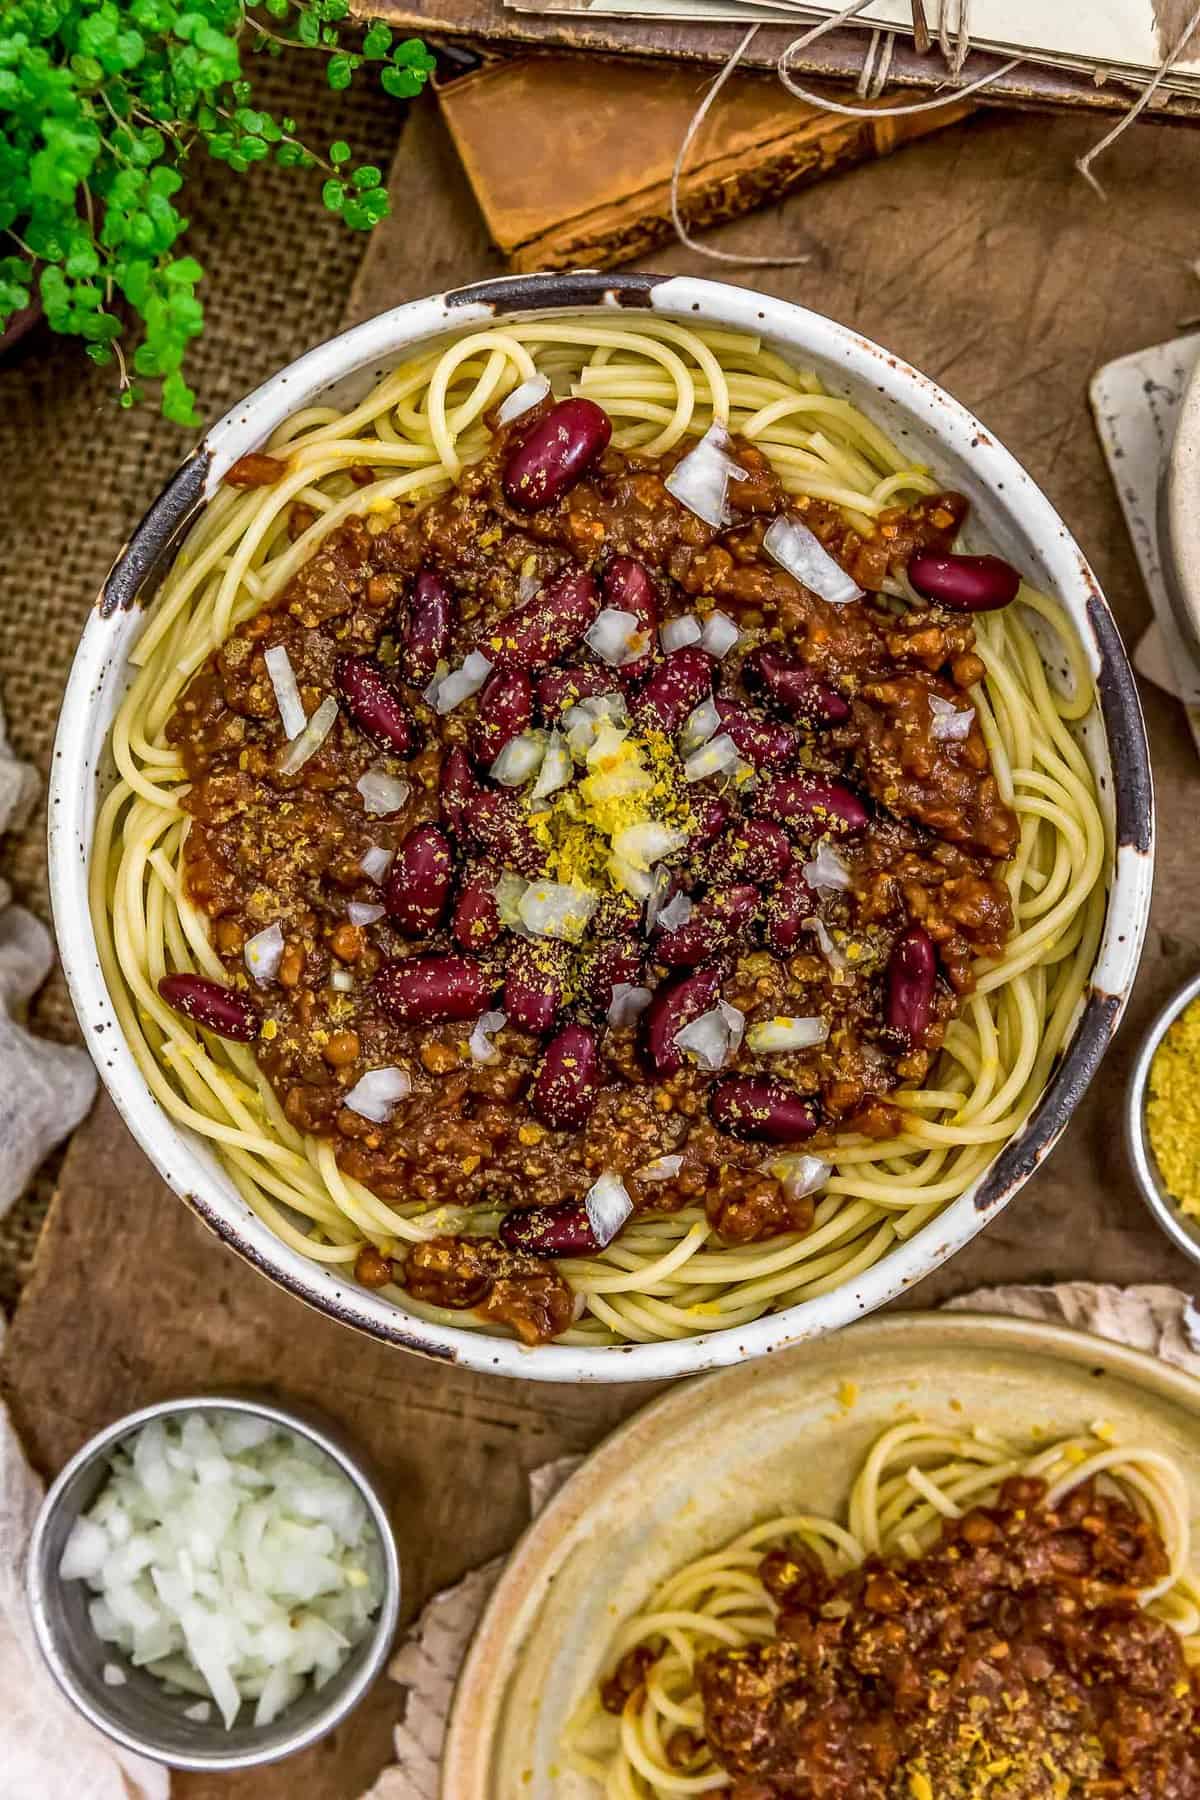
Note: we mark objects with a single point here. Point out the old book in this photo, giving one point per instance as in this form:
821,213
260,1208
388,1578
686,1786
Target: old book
570,158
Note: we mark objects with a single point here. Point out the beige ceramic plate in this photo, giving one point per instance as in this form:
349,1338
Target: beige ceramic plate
711,1458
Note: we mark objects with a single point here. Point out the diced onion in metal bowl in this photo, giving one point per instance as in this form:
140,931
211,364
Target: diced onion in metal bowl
230,1558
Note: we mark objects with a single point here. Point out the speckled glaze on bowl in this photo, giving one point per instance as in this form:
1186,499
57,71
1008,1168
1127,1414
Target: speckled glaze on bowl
1010,513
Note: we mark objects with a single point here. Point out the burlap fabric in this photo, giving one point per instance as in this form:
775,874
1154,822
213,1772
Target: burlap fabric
76,472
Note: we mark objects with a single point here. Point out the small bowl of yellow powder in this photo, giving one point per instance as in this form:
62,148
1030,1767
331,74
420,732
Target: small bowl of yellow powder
1163,1120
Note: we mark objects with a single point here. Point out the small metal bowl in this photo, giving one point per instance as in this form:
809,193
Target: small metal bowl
1183,1232
139,1713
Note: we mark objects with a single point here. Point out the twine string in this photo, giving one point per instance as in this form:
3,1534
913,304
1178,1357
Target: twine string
1084,163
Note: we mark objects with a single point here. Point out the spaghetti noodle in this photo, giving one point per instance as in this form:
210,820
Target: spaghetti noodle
915,1479
668,1274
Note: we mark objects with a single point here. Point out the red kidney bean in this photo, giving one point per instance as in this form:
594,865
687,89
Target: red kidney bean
505,711
425,637
487,817
760,741
563,1230
628,587
617,916
560,688
555,454
424,990
566,1085
542,631
419,884
963,583
374,704
675,1005
793,689
759,1110
811,804
748,850
475,921
710,815
788,905
602,968
715,924
678,684
908,989
535,982
219,1009
457,786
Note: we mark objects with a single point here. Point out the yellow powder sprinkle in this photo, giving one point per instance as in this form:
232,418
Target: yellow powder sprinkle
919,1785
270,1029
848,1394
530,1134
1173,1109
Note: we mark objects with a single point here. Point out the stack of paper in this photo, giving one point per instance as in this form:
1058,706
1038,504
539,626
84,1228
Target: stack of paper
1118,38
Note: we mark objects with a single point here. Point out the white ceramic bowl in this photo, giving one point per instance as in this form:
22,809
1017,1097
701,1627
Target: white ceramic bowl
1008,510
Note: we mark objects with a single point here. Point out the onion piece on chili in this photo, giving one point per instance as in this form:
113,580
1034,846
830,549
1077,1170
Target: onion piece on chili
311,738
524,397
607,1205
557,909
675,913
799,1174
951,724
382,793
583,721
663,1168
375,862
509,891
480,1042
713,1037
646,843
376,1094
785,1033
829,950
364,912
341,981
287,693
628,1003
720,634
827,873
520,759
798,550
678,633
616,636
557,767
718,757
263,954
700,480
702,723
638,883
461,683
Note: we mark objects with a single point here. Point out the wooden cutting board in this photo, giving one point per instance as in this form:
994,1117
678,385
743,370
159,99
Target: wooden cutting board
982,258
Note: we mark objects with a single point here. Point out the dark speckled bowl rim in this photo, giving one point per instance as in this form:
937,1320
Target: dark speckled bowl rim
135,572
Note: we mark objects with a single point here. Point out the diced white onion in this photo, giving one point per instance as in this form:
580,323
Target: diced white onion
718,757
527,587
557,767
627,1003
342,981
382,793
509,891
713,1037
613,635
287,693
951,724
638,883
85,1550
663,1168
800,1174
311,738
799,551
461,683
829,950
701,723
786,1034
648,842
608,1206
700,480
557,909
375,1094
440,673
375,862
656,900
583,721
520,759
480,1041
364,912
529,394
264,953
720,634
827,873
239,1563
675,913
676,634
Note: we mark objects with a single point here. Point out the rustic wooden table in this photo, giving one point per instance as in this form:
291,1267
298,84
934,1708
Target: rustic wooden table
981,257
